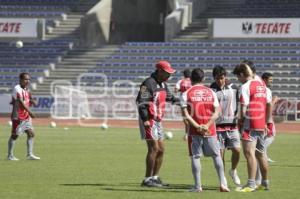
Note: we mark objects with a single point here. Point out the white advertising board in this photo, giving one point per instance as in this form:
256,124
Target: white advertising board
256,28
18,27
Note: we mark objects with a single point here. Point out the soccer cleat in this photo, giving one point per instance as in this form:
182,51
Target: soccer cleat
150,183
33,157
262,188
195,190
245,189
159,181
271,161
233,174
13,158
224,188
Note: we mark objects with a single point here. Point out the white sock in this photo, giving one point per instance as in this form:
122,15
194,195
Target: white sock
29,146
11,146
154,177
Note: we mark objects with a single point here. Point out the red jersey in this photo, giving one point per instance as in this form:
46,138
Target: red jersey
254,96
18,112
183,84
201,103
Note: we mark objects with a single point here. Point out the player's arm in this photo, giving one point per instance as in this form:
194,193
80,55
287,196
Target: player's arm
143,100
21,102
236,98
186,116
189,118
215,113
32,101
244,100
269,108
177,87
242,114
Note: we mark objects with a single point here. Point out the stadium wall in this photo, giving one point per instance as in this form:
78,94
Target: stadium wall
118,21
181,15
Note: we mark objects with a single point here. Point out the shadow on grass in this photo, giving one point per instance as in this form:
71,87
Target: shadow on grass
178,188
283,166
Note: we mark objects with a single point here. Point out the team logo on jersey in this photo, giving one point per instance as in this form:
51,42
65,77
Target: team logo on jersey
260,89
201,95
247,27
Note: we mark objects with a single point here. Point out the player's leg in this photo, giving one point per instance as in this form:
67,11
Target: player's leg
249,153
263,167
211,148
233,143
12,140
159,157
221,140
30,141
160,154
152,146
270,138
263,163
268,142
157,127
151,137
249,144
196,152
196,171
258,173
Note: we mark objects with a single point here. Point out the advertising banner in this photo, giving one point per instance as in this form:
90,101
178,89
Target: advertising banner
18,27
256,28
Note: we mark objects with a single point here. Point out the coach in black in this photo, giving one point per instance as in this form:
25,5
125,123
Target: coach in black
151,102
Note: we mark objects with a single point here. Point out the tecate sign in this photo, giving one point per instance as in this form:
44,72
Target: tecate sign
256,28
13,27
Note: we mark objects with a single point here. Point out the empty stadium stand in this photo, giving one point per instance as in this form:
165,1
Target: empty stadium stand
61,57
43,59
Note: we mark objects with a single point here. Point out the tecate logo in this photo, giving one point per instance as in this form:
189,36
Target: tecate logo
247,27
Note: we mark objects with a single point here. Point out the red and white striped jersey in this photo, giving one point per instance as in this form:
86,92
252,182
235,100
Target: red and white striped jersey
18,112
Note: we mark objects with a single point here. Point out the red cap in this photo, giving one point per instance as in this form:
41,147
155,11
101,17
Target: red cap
166,66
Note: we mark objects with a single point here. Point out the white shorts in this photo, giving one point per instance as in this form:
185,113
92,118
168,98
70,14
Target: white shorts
19,127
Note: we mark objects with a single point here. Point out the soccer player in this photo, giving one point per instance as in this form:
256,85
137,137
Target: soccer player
227,131
21,117
268,79
252,124
151,101
200,106
181,86
185,83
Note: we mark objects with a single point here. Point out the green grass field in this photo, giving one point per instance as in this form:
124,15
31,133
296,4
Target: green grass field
92,163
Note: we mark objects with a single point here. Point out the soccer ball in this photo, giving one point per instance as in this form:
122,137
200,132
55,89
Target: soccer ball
168,135
52,124
19,44
84,117
103,126
9,123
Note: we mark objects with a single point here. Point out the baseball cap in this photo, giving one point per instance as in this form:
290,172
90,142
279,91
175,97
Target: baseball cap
166,66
